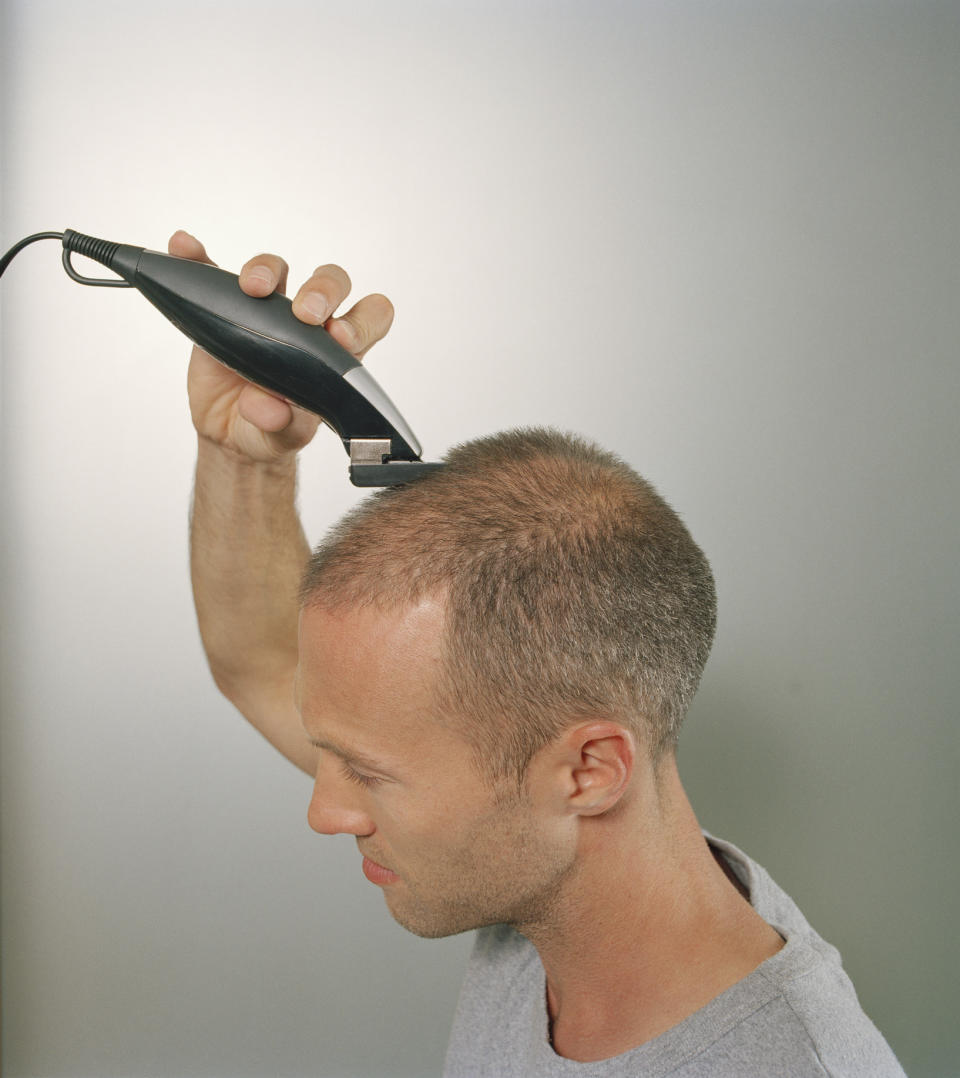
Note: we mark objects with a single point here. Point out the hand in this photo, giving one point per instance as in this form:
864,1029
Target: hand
242,417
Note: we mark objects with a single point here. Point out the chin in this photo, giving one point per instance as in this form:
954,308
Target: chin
434,928
438,924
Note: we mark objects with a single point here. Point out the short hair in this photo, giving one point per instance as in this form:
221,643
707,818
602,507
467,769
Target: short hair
571,590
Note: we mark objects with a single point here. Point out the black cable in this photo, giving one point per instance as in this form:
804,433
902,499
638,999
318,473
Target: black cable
7,258
74,241
105,282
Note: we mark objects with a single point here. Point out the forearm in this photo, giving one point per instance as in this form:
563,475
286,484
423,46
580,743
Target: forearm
247,547
247,552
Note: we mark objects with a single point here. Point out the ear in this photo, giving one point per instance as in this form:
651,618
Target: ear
600,757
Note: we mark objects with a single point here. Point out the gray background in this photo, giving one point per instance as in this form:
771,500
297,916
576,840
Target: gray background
721,238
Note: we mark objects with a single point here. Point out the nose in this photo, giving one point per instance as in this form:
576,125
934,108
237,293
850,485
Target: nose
334,808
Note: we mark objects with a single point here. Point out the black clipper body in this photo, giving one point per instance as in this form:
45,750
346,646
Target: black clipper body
262,340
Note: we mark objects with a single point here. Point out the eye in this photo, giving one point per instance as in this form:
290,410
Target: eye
357,777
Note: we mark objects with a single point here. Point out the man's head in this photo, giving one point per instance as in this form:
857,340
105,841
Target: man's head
452,850
570,591
484,655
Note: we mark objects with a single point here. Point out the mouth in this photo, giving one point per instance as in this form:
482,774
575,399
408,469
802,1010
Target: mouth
377,874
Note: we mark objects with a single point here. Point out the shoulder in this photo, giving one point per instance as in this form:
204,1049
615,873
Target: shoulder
818,1010
807,1007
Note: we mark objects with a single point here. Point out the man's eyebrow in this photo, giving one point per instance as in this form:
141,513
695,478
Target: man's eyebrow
349,755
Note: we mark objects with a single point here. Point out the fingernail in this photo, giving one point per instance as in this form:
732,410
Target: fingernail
316,305
347,333
261,273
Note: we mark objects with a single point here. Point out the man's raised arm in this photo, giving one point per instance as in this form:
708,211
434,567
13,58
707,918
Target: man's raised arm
247,547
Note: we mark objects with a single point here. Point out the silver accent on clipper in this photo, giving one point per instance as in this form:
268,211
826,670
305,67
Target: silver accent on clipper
369,450
363,381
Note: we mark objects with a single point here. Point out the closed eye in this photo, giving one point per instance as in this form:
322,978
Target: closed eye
357,777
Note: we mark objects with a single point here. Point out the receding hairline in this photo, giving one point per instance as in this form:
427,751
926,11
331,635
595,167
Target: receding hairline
573,589
540,478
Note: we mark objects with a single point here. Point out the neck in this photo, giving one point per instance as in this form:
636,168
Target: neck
648,929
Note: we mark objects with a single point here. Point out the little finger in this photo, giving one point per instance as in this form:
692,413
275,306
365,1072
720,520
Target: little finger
321,294
367,322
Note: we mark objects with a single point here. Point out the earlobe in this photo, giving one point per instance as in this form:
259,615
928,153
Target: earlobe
603,755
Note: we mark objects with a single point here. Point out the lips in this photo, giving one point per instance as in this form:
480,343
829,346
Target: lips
377,874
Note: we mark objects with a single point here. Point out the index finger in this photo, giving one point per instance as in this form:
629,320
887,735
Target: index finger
183,245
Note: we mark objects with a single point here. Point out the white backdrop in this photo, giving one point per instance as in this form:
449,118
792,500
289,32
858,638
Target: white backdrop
719,238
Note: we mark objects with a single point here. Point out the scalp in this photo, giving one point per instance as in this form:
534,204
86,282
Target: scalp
572,588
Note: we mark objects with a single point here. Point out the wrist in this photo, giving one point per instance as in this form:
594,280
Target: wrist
216,455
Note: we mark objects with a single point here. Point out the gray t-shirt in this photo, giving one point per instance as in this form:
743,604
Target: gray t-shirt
796,1016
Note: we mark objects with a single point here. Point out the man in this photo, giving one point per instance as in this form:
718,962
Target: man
485,672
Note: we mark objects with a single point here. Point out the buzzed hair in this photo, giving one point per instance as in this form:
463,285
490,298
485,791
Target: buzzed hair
571,590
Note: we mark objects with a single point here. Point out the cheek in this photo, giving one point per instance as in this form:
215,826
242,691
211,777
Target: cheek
407,818
436,823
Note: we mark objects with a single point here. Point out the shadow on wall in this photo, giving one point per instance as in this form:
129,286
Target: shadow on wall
833,809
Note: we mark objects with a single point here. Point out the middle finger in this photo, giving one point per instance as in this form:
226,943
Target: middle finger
264,274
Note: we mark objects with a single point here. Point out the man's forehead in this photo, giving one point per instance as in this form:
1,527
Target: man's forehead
366,677
348,735
369,650
410,623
